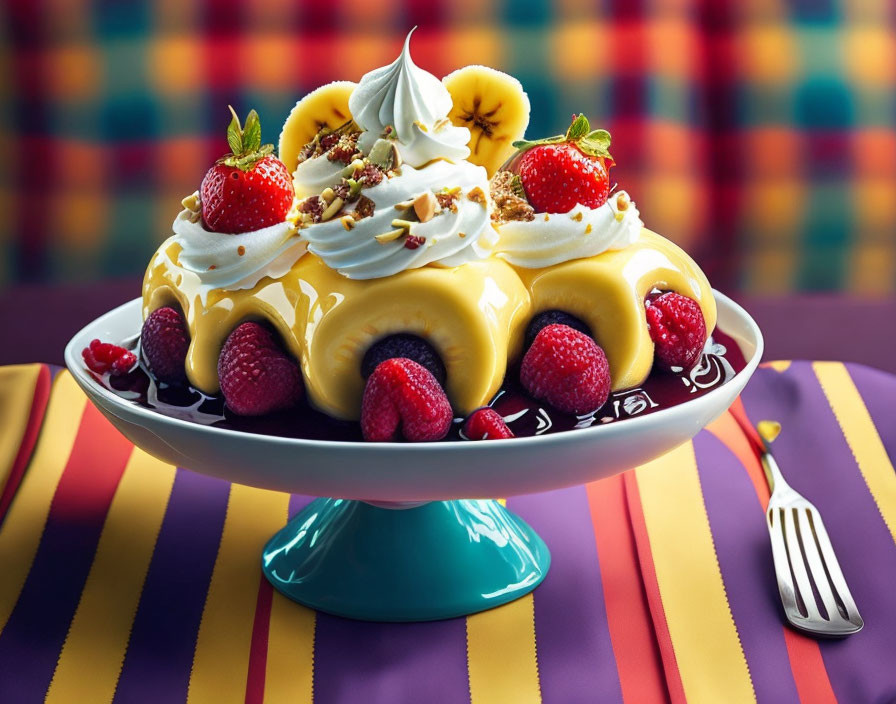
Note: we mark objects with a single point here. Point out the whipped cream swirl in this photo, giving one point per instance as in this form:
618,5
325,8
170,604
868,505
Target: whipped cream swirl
415,105
233,262
451,237
412,102
581,232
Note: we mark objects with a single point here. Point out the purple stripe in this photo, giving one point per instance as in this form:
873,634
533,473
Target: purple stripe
297,502
355,661
818,463
737,521
163,638
878,390
575,653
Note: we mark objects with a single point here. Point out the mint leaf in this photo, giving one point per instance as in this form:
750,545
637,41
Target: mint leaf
578,129
252,133
235,133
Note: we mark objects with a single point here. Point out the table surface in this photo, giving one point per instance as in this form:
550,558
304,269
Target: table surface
795,327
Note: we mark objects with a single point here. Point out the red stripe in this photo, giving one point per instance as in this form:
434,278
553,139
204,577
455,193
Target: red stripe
29,439
628,614
652,589
806,663
258,651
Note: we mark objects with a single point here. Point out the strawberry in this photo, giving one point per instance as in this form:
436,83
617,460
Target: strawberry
248,189
402,397
165,341
256,375
557,173
567,369
486,424
677,328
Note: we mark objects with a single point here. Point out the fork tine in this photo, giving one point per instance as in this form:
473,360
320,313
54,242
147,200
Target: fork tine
774,516
817,566
798,565
834,570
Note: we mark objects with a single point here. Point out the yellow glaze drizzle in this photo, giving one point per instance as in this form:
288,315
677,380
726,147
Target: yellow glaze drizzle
474,315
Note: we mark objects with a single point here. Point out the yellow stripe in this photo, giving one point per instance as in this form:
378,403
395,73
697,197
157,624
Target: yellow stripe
289,672
23,526
707,647
779,365
501,658
861,436
221,659
17,384
98,636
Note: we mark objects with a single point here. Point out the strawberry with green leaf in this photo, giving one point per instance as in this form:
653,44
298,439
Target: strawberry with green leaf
248,189
557,173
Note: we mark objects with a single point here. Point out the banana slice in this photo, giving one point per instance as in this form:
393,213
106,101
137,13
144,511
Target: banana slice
494,107
325,107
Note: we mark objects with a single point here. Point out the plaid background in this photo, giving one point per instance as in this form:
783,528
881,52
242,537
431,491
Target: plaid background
758,135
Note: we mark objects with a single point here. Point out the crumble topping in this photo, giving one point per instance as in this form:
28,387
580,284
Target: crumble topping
507,195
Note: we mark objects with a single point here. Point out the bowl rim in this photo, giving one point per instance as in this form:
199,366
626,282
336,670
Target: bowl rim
132,411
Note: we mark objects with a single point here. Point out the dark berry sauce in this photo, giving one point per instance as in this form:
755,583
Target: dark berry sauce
524,415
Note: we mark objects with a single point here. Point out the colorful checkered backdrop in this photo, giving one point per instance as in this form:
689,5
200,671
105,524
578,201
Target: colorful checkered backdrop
758,135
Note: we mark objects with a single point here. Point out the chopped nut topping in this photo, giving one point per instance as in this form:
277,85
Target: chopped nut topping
577,217
343,190
241,250
369,175
588,229
191,202
509,205
546,217
461,234
328,195
622,202
364,209
312,208
426,206
477,196
398,222
332,209
447,200
413,241
213,267
348,222
390,236
345,149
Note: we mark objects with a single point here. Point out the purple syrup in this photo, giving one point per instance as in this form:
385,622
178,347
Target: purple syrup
524,415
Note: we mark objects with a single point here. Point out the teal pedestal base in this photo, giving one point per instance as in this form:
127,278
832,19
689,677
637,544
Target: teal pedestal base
435,561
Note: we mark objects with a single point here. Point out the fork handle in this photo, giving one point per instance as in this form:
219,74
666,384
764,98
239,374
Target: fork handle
769,466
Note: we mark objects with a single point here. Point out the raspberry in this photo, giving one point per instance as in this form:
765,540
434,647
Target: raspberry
677,329
256,375
403,398
551,317
102,357
165,341
567,369
413,241
404,345
486,424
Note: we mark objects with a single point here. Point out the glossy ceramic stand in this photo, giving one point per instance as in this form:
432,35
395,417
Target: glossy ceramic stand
433,561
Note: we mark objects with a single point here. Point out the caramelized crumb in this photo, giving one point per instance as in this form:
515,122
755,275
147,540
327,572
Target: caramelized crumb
241,250
447,201
364,209
588,229
477,196
509,205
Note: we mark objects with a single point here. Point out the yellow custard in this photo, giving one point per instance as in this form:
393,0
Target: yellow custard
607,292
474,315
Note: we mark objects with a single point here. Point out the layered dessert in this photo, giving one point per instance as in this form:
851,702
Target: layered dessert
409,267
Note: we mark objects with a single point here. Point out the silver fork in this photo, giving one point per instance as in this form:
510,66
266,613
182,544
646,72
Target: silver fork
811,584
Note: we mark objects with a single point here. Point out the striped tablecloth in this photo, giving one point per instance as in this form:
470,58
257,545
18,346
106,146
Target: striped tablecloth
124,579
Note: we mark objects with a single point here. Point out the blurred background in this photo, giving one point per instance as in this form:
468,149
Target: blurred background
758,135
